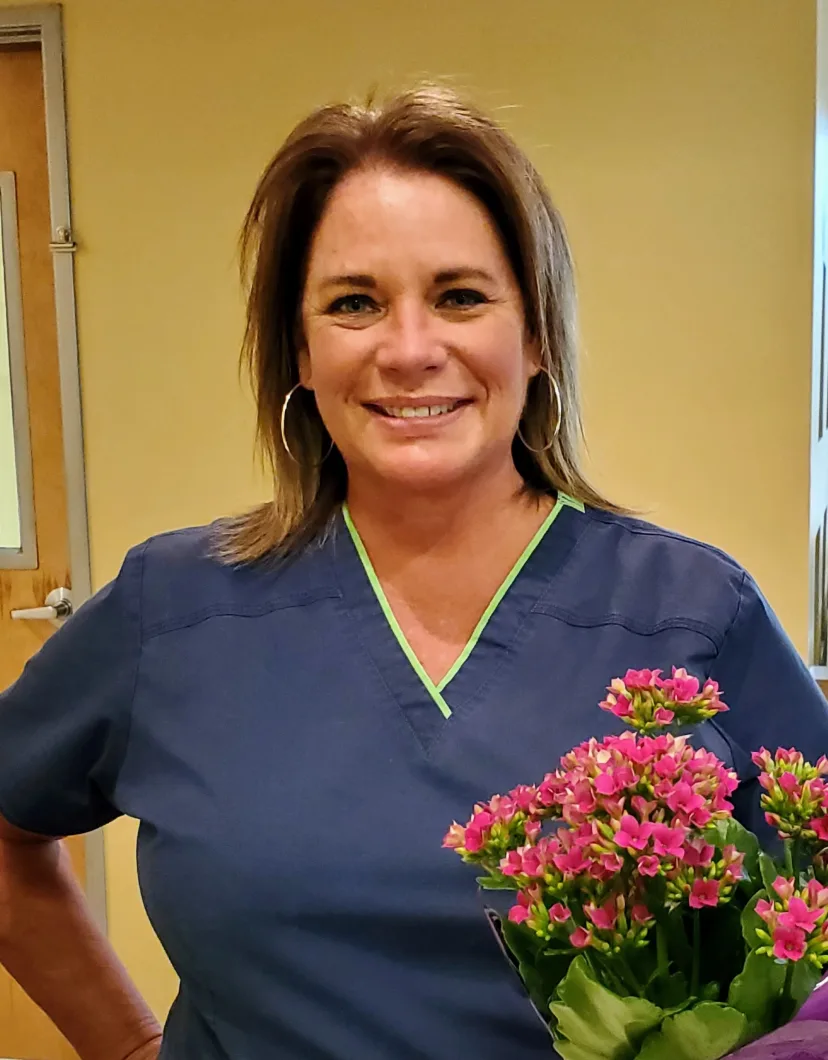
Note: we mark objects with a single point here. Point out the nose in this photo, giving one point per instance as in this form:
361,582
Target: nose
410,345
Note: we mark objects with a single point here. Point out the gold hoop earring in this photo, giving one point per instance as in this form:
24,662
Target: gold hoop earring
282,419
554,388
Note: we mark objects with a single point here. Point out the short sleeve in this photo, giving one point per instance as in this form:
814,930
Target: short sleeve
773,700
64,723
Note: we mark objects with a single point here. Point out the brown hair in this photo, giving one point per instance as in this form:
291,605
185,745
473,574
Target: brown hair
430,129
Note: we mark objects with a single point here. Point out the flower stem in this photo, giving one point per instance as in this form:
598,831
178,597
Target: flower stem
789,862
661,950
785,1008
694,976
795,859
629,975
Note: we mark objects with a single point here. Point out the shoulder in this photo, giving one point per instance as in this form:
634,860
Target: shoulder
177,579
647,577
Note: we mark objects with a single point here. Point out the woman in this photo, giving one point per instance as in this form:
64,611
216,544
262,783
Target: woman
296,703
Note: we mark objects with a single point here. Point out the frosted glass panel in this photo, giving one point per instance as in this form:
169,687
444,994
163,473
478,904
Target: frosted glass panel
10,530
17,530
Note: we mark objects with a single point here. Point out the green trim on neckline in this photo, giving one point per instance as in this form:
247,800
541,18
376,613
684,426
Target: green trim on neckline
390,617
436,690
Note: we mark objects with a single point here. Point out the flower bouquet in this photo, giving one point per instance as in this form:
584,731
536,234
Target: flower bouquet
647,921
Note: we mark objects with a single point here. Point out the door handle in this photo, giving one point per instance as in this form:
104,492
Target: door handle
57,608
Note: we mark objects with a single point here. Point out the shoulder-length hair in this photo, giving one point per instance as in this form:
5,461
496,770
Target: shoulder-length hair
432,130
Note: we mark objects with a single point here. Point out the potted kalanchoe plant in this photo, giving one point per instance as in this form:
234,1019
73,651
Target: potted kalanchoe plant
647,922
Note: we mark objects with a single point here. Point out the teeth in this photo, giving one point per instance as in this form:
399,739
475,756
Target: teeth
419,410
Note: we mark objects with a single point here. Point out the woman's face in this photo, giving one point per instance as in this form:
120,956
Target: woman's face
415,339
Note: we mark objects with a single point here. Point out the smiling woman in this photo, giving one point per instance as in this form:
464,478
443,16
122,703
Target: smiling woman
295,700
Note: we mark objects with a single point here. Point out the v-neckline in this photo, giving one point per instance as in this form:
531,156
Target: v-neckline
435,689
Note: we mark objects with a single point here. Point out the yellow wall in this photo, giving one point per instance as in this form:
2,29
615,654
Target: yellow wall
676,136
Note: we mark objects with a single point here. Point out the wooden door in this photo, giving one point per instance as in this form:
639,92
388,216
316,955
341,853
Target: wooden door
25,1032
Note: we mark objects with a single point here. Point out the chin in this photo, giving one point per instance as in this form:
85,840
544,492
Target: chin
423,476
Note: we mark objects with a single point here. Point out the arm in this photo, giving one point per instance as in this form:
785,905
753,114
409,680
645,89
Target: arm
50,945
774,702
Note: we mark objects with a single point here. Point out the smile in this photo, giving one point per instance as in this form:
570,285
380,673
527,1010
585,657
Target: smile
410,412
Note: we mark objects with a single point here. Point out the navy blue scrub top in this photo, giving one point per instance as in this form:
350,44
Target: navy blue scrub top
294,771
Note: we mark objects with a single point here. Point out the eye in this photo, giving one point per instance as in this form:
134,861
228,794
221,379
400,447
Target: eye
462,298
350,304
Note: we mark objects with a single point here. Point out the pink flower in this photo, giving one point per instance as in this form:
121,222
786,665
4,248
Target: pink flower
704,892
762,758
523,797
532,830
765,910
477,831
788,943
612,863
681,687
512,864
817,894
667,842
789,784
603,917
784,888
620,706
641,914
820,826
559,913
455,837
580,938
682,799
523,910
649,865
800,916
642,680
697,853
667,766
607,783
663,716
633,833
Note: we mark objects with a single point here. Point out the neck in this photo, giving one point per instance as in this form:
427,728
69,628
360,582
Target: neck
450,521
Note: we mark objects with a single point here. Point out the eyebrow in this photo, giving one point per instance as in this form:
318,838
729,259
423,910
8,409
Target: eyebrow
365,280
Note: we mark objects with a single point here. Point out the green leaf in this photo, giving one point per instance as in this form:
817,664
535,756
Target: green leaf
751,921
755,992
727,831
494,883
522,943
595,1024
769,871
707,1032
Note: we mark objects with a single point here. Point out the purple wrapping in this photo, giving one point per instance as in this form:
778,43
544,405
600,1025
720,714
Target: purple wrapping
816,1007
798,1040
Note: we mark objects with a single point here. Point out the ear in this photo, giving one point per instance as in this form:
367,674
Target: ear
303,362
534,357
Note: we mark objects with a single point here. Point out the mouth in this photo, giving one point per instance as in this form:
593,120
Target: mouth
432,408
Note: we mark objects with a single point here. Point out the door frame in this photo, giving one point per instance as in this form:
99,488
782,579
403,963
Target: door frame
42,24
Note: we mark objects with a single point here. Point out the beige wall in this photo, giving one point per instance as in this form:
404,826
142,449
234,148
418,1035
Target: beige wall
676,136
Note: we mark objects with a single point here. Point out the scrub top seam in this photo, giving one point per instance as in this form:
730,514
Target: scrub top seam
587,622
222,611
123,751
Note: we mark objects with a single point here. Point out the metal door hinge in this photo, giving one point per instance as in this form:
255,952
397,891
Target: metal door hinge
63,242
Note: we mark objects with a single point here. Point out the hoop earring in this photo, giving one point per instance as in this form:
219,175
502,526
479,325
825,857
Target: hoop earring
554,388
282,419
